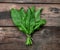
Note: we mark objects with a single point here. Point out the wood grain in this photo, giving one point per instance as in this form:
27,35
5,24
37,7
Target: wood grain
47,38
31,1
50,12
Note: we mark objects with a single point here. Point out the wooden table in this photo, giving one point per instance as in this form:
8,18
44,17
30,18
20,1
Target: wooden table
47,38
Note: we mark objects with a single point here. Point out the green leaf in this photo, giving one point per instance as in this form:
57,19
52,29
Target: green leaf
42,22
38,18
16,17
27,21
32,19
32,9
38,14
28,15
23,15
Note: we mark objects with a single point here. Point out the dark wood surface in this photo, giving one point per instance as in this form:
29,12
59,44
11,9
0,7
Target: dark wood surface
51,12
47,38
31,1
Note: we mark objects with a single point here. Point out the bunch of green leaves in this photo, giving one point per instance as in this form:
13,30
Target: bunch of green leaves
27,21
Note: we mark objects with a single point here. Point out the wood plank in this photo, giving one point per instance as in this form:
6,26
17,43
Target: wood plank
31,1
48,38
51,13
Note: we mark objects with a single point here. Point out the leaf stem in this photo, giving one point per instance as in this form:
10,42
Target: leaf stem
29,40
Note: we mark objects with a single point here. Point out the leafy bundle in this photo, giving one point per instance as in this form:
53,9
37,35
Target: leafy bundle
27,21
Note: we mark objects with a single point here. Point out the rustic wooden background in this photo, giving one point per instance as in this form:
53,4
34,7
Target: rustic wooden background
47,38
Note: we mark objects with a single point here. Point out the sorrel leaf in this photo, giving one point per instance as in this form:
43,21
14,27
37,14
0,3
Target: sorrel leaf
27,21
